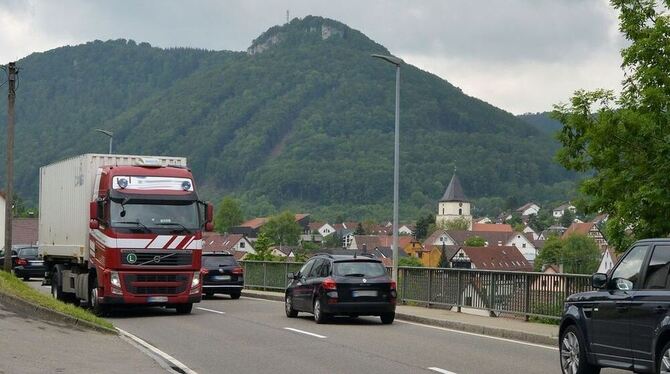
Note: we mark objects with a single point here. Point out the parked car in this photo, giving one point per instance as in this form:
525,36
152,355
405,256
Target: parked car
2,257
329,285
625,323
28,265
222,274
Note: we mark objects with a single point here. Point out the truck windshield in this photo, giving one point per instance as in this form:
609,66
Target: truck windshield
181,216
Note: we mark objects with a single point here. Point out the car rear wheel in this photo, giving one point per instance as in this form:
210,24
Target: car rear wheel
573,353
26,278
387,318
184,308
288,307
208,294
235,295
663,360
319,315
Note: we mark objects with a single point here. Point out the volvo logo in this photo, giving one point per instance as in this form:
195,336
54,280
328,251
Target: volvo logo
131,258
365,280
157,259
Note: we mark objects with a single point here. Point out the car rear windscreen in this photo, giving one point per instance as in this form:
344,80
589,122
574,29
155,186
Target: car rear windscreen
359,268
28,252
218,260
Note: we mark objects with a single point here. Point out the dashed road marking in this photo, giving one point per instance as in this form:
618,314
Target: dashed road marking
172,363
211,310
305,332
441,370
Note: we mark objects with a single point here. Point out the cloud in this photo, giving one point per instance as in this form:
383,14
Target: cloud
521,55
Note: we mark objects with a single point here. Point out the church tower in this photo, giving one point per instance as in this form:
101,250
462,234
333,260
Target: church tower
453,205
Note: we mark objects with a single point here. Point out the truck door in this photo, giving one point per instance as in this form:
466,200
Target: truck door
649,307
611,314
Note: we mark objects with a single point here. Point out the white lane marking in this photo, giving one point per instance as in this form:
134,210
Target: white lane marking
479,335
441,370
261,299
211,310
305,332
172,361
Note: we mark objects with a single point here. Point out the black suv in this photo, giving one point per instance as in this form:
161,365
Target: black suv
625,323
329,285
222,274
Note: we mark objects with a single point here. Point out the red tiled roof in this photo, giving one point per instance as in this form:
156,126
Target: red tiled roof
212,241
433,237
493,238
255,222
24,231
497,258
492,227
578,228
315,226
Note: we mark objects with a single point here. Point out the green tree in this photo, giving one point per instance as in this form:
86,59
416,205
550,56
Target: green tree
410,261
422,225
333,240
541,221
229,214
283,229
621,143
359,229
262,249
580,254
550,254
475,241
567,218
515,220
444,261
460,224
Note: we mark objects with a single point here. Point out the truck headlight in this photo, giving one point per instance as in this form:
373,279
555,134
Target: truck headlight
195,282
115,280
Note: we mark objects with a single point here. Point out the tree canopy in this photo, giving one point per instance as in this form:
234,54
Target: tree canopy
623,141
282,229
228,214
579,254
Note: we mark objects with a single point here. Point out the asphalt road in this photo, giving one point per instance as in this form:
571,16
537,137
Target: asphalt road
254,336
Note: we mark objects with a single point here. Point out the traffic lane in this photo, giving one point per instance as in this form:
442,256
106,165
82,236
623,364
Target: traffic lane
209,342
414,344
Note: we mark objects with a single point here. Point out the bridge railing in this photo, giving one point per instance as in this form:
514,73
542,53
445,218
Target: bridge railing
497,293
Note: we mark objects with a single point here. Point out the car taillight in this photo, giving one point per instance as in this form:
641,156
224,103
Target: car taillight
21,262
393,285
238,271
329,284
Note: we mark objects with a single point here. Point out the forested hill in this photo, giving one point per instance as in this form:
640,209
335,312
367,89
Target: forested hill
542,121
302,120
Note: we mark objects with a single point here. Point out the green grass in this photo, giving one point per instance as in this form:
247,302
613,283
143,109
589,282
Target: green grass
12,285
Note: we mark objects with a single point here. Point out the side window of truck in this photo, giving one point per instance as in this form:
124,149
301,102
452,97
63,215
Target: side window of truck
626,276
658,269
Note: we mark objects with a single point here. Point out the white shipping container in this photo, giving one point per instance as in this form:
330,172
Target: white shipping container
66,189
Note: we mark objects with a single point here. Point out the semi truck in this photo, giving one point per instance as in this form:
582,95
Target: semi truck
122,230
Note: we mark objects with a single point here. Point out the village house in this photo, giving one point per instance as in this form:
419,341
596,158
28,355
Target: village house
559,211
528,209
252,227
212,241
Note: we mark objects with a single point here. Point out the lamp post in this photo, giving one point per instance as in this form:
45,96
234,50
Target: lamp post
111,137
396,159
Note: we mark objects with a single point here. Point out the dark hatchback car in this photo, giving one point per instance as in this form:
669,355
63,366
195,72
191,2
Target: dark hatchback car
329,285
625,323
27,265
222,274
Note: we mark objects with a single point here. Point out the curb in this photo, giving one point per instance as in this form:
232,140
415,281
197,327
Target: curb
19,305
476,329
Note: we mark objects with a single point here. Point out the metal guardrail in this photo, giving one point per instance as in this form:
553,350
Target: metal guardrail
498,292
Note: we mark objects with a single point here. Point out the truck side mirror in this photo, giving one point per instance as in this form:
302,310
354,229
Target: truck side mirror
209,218
93,215
598,280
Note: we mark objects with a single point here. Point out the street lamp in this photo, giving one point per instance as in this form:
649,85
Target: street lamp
111,137
396,159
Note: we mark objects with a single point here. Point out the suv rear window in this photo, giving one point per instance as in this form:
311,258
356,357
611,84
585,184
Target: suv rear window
28,252
360,268
218,260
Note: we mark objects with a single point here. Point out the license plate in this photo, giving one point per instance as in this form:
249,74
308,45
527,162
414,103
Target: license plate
222,277
157,299
36,263
364,293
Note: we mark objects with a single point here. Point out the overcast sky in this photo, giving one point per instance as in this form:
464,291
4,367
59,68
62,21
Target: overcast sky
520,55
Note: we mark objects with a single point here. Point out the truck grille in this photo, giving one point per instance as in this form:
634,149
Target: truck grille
140,284
157,258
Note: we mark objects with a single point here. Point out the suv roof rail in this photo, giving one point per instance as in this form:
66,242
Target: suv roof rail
370,255
324,254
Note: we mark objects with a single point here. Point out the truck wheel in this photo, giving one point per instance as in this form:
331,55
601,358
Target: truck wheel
56,290
184,308
98,309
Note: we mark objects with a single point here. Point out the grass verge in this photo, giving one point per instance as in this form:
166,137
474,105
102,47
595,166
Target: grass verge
14,286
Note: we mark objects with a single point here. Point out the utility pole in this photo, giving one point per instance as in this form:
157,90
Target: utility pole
12,74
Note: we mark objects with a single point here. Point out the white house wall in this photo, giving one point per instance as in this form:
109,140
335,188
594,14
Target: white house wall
524,246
